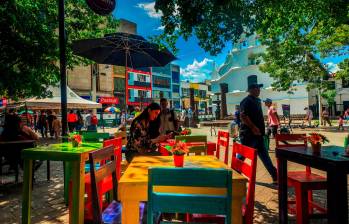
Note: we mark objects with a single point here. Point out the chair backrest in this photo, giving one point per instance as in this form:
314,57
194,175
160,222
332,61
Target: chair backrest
105,169
117,143
248,169
81,132
171,202
94,136
200,143
123,135
292,141
223,140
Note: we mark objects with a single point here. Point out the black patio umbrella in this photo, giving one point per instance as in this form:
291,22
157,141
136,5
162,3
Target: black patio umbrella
123,49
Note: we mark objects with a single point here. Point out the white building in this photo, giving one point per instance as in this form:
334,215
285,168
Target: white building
241,68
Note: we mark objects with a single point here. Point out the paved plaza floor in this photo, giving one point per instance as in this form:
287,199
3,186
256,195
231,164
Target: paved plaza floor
48,205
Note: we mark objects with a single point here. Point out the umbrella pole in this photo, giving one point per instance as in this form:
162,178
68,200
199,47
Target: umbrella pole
62,56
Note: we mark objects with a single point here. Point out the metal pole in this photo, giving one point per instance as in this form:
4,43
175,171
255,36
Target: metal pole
62,56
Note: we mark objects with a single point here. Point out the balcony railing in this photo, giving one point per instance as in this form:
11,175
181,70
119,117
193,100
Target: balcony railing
141,99
139,83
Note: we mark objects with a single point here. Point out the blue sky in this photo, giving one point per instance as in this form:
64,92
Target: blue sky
195,63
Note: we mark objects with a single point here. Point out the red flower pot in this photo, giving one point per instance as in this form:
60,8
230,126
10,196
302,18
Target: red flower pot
178,160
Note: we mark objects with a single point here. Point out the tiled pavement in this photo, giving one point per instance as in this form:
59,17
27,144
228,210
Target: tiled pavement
48,205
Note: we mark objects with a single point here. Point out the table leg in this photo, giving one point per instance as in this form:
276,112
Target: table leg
282,180
67,176
238,193
337,196
130,212
27,191
76,214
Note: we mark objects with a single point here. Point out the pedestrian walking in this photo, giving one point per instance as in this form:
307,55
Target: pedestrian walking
273,118
308,116
42,124
326,117
72,120
252,129
80,121
50,117
56,125
341,123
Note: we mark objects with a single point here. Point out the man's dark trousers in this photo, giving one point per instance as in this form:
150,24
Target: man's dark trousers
257,142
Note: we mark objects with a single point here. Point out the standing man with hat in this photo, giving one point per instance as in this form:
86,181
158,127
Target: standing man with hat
273,118
252,129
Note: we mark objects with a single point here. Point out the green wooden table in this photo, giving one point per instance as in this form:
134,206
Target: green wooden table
76,157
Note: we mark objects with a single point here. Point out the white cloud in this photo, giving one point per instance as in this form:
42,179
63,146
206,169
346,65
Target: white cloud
332,67
150,9
160,28
197,71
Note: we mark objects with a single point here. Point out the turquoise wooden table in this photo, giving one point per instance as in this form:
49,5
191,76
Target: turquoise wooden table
59,152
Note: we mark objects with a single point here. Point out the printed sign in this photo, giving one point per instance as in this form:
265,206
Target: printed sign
109,100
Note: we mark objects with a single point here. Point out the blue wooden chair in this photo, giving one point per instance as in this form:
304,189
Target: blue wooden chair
171,202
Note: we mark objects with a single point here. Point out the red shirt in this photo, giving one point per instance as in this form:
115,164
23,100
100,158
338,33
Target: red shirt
72,118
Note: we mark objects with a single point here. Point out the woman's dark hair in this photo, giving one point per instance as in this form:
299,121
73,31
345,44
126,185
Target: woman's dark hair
12,127
153,125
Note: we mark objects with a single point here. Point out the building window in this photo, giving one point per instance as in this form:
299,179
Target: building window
175,88
119,84
175,77
161,82
345,83
251,79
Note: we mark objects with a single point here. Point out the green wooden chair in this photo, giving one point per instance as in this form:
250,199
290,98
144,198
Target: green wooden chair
170,202
81,132
94,136
197,149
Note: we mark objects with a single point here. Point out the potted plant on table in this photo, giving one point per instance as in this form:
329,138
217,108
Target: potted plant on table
316,140
76,140
178,150
185,131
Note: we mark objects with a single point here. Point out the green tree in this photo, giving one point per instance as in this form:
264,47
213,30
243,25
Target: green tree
29,50
293,30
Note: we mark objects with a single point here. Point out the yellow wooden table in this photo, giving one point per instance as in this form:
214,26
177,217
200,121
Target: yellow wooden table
133,185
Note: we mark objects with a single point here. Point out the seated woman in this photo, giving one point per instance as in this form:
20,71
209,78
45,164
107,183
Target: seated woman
16,130
144,133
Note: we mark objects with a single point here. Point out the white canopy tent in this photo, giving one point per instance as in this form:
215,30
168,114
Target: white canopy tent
74,101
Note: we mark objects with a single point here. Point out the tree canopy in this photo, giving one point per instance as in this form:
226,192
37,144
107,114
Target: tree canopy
29,50
297,32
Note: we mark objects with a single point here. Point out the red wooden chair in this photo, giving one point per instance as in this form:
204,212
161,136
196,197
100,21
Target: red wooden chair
111,213
246,167
106,184
304,182
223,140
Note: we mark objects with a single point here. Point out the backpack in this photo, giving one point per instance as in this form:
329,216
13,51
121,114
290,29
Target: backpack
94,120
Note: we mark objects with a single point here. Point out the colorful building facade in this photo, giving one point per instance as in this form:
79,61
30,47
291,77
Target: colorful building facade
166,84
138,87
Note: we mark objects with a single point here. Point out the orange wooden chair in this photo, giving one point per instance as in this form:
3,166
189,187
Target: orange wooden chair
304,182
246,167
106,184
223,140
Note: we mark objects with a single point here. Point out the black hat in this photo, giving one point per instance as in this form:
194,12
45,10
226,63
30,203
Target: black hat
254,86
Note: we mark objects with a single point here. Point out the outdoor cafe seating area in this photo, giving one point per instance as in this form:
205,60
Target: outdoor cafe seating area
212,185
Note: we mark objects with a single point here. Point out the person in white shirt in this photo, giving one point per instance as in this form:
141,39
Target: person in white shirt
168,118
308,116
